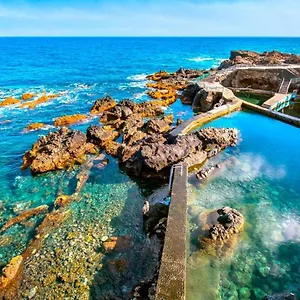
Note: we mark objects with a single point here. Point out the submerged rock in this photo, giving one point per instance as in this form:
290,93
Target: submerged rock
218,231
58,150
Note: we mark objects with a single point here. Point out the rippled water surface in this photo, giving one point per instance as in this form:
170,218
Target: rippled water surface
263,183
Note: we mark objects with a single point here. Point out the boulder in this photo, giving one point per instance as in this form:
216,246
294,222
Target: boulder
204,100
58,150
103,104
100,136
189,93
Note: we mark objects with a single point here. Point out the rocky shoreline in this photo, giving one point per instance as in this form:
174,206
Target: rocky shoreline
138,136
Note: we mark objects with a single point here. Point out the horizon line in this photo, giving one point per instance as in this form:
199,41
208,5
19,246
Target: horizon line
140,36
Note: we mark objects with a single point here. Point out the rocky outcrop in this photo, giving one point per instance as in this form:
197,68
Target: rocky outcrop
34,126
103,104
27,96
250,58
40,100
58,150
9,101
159,125
100,136
206,100
154,155
69,120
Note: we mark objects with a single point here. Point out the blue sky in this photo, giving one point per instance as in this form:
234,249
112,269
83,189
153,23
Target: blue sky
149,18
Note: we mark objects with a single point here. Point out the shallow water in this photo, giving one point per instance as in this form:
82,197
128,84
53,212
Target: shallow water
83,70
262,182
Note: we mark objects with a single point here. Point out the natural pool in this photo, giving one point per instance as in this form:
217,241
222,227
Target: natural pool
263,183
252,98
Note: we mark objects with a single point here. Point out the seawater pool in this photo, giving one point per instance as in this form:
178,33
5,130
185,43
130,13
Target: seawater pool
263,183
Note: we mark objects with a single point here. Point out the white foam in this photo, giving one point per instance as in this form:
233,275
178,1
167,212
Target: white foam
200,59
137,77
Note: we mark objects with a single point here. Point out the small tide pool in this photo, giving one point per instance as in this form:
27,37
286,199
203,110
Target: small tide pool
262,182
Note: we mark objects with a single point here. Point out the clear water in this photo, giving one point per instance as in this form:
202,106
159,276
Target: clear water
254,99
82,70
263,184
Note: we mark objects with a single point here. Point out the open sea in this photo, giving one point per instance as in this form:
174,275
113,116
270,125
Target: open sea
82,70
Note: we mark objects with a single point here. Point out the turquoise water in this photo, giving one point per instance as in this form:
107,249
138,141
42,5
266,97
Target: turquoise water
110,204
262,182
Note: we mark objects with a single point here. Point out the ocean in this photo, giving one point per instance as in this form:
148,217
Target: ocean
82,70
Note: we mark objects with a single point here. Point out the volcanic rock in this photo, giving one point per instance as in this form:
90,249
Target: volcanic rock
58,150
103,104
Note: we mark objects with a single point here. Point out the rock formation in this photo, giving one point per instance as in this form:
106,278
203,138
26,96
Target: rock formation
34,126
103,104
69,120
218,232
154,155
58,150
9,101
250,58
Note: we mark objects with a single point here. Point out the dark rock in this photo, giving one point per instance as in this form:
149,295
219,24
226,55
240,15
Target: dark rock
189,93
156,213
205,100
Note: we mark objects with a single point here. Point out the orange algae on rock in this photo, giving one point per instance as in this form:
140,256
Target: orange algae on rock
43,209
10,272
159,76
103,104
40,100
27,96
68,120
34,126
9,101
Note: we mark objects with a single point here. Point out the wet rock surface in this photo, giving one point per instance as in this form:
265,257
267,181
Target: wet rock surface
103,104
250,58
58,150
218,232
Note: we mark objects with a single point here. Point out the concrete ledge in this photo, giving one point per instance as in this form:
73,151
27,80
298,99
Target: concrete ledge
273,114
171,283
203,118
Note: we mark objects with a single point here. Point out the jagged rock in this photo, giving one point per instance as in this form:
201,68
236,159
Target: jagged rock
205,100
69,120
250,58
154,155
159,125
27,96
58,150
189,93
230,222
100,136
103,104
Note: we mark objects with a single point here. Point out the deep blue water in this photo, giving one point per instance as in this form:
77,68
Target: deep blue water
83,70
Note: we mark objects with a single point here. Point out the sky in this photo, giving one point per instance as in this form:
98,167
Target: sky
149,18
